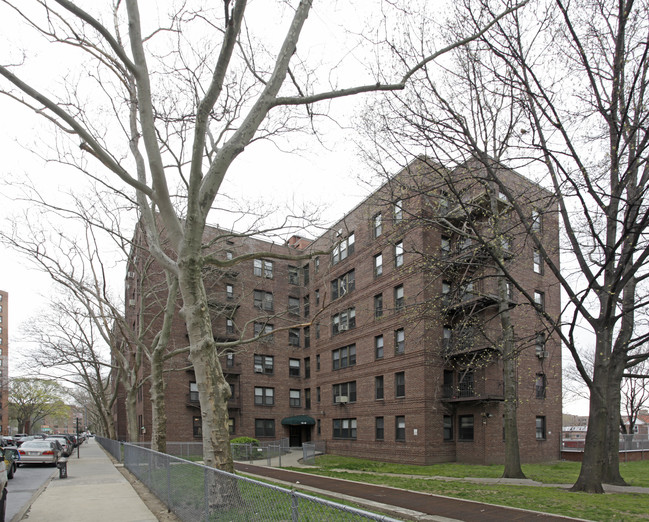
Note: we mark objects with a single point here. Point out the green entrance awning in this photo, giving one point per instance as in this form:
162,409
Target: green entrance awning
298,420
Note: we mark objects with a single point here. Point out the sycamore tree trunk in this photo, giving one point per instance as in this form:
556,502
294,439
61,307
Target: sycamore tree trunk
591,475
158,412
131,414
213,389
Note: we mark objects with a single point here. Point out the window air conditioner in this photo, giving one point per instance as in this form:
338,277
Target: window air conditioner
542,354
131,302
131,275
342,399
259,369
343,328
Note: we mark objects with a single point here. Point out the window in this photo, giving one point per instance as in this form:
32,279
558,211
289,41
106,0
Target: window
193,392
316,264
538,263
294,305
197,427
539,300
229,326
344,357
399,300
400,428
398,210
378,347
319,427
380,428
537,223
509,289
263,300
264,396
343,249
307,367
317,394
307,336
229,291
378,387
264,364
400,384
446,293
263,268
307,306
293,275
264,329
229,360
317,362
343,321
377,225
343,285
378,265
378,305
294,367
345,389
540,428
264,428
307,398
294,337
231,430
398,254
539,386
445,246
317,297
344,428
228,255
294,398
465,431
447,387
540,343
448,427
399,341
317,330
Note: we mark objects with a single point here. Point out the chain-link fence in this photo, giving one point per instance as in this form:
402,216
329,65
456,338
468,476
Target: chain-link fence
198,493
311,449
113,447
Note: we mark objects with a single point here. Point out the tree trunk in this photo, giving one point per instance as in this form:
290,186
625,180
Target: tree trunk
592,467
213,389
611,473
158,412
131,415
512,451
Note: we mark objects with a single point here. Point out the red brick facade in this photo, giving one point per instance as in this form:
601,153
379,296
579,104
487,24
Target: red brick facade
425,394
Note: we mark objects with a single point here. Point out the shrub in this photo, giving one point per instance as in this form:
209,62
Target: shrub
241,445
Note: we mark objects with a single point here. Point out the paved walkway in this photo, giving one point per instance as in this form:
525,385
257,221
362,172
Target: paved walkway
94,491
408,504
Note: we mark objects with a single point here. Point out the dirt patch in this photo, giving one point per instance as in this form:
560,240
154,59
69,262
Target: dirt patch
154,504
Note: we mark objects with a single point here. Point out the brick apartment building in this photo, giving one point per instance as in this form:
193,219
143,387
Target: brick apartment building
398,356
4,362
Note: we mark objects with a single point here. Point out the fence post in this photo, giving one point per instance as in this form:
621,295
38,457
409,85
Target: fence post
206,494
168,484
295,513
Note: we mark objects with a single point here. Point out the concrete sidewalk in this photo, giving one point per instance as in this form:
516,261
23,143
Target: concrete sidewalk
94,491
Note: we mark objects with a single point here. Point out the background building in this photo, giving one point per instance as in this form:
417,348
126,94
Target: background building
396,349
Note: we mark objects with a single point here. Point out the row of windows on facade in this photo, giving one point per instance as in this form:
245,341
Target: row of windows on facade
345,247
345,284
347,428
346,392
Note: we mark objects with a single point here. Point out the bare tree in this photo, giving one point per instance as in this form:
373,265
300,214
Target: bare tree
184,109
569,84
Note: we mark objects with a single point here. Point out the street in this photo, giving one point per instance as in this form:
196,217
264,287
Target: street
27,480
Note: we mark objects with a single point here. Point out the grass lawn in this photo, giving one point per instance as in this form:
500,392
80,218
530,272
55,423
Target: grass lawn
610,506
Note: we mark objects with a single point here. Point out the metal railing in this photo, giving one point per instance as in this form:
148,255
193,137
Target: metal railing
194,492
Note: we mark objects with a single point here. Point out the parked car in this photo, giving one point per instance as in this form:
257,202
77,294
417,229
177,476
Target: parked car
24,438
59,445
3,486
39,451
65,442
11,458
